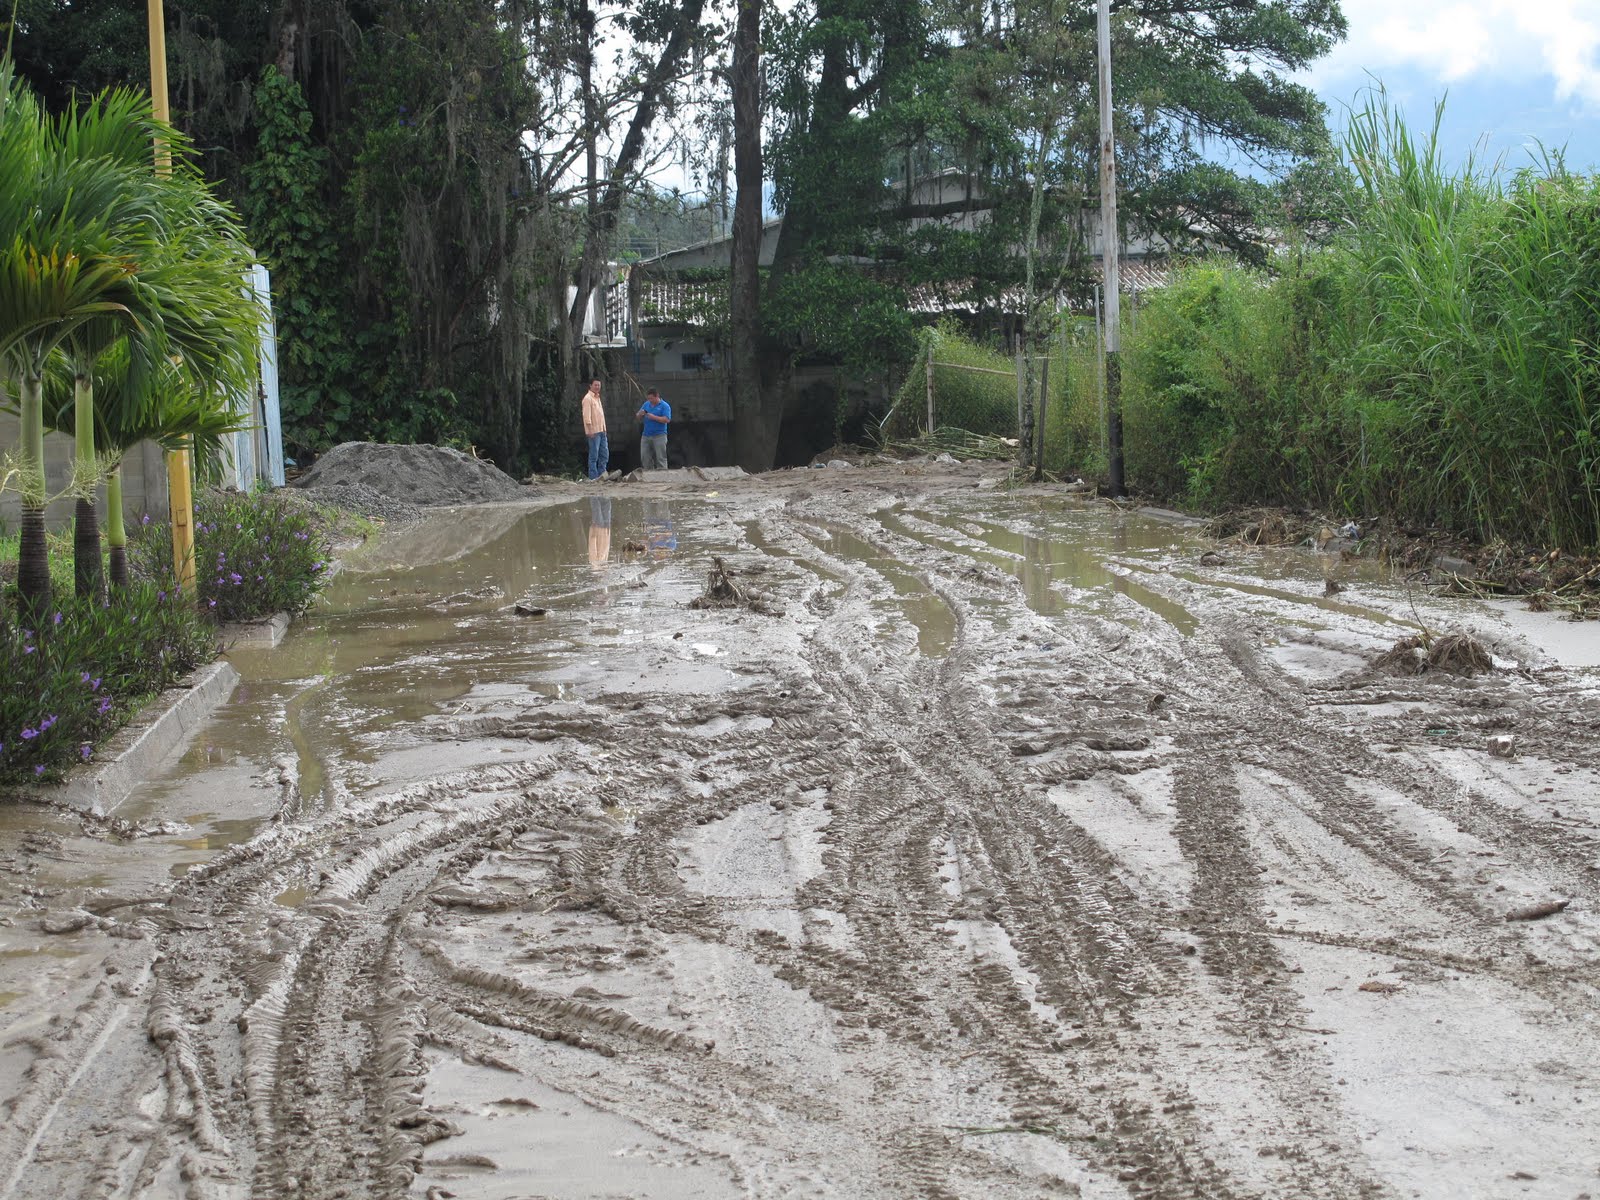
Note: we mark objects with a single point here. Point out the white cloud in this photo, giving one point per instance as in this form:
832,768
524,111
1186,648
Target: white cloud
1454,41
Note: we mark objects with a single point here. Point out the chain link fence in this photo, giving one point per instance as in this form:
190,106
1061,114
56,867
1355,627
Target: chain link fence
954,383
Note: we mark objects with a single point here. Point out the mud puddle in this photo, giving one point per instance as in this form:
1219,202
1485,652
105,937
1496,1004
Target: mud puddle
1069,549
927,613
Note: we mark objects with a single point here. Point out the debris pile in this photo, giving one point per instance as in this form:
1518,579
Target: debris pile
722,592
419,475
1263,527
1452,653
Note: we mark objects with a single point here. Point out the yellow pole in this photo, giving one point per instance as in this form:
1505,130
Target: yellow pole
180,489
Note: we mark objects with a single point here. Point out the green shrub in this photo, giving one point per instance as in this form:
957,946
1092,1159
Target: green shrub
1436,364
86,670
254,554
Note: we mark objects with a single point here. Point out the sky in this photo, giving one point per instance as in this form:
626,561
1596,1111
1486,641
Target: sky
1515,71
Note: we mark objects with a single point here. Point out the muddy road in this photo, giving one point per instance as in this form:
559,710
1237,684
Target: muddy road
1009,852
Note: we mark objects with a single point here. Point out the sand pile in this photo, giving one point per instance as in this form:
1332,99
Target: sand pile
422,475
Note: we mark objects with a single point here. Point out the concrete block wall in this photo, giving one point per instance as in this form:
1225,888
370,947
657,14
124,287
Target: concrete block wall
144,478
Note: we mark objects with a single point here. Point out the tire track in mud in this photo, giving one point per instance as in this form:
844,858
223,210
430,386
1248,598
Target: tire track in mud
1470,919
990,972
1031,885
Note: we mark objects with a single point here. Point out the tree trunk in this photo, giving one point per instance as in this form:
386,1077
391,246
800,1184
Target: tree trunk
33,555
116,534
754,440
88,577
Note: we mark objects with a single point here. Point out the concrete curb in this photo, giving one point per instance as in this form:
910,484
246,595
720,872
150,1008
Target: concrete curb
140,747
262,634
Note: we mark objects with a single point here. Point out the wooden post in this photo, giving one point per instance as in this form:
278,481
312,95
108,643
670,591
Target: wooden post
1110,267
1021,384
1044,403
1100,368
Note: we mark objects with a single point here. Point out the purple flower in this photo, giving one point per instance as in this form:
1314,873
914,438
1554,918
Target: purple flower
317,566
145,520
39,770
29,734
161,595
86,751
236,577
105,706
47,722
57,619
94,685
29,649
211,603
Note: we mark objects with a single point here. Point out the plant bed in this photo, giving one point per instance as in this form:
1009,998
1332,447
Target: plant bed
84,668
87,667
255,555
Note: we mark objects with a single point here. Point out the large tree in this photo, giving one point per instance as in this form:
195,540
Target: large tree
744,291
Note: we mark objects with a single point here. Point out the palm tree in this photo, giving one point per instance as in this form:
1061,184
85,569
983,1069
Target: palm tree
56,272
98,248
191,261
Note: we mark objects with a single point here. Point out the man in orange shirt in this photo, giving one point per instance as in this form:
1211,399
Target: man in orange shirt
594,428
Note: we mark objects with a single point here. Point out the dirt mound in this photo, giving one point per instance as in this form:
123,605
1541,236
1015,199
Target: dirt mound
365,501
422,475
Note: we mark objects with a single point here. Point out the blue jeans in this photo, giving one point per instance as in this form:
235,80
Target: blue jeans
599,454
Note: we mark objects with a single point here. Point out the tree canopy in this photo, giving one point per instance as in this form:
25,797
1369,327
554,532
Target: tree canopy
429,181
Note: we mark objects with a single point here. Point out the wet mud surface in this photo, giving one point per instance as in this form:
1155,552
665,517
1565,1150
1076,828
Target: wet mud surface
1013,853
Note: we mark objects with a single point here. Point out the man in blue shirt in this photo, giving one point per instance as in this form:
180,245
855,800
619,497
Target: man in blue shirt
657,414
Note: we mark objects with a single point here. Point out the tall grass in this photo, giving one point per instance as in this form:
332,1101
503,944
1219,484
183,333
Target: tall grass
1439,363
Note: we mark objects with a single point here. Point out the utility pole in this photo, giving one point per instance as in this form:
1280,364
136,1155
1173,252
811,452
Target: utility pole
180,483
1110,244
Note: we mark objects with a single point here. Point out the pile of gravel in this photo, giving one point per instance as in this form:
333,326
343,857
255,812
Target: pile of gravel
410,475
367,502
